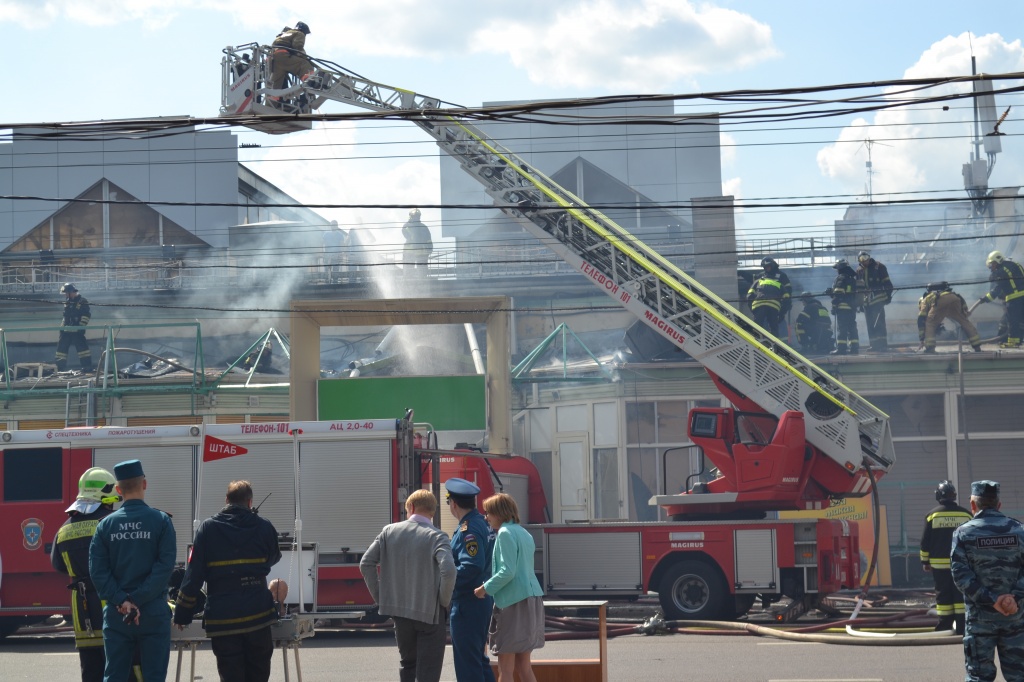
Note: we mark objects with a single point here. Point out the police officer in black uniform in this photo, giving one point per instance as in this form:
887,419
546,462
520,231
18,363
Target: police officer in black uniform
936,541
232,553
70,555
130,560
76,314
470,617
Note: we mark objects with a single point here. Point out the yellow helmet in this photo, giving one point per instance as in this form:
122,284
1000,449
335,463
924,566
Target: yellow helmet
994,257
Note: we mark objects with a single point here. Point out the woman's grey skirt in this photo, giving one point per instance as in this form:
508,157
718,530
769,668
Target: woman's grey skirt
518,628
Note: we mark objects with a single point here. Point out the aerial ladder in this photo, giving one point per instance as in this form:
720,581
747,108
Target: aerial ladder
795,438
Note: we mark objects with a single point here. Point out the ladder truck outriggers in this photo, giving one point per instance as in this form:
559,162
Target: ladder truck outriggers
795,438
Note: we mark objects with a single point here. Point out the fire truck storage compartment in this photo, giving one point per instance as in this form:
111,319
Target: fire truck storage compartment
346,489
169,473
756,565
288,569
584,562
805,553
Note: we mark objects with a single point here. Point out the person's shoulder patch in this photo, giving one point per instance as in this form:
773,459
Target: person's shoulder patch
464,527
472,548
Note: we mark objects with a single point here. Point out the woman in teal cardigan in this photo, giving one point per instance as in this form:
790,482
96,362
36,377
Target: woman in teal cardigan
517,623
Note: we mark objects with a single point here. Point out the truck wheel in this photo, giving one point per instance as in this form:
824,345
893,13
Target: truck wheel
693,590
11,624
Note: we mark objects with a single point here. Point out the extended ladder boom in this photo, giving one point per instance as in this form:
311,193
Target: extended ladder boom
754,364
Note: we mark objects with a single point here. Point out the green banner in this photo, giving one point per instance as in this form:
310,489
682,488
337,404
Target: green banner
452,403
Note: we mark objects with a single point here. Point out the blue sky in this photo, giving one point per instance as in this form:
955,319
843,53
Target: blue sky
107,59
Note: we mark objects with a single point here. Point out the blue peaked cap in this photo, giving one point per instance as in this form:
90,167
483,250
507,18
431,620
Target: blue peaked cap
460,486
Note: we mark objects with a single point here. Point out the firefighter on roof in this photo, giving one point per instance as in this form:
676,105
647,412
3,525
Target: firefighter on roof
70,555
844,306
936,541
813,326
876,293
1007,278
988,566
938,303
76,314
470,617
770,296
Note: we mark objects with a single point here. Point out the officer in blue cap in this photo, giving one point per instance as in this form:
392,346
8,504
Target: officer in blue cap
988,566
130,559
470,617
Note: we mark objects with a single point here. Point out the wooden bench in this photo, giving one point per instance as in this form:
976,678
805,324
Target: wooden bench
574,669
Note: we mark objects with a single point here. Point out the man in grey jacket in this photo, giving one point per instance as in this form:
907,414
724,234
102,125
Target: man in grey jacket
410,573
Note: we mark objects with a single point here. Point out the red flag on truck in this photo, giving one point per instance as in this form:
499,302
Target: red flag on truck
215,448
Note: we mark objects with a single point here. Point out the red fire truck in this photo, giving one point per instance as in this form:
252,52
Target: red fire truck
334,485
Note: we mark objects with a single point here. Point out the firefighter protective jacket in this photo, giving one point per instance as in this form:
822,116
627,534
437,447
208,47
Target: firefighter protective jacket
76,312
813,324
771,289
70,555
291,40
232,554
844,291
1007,281
937,538
874,283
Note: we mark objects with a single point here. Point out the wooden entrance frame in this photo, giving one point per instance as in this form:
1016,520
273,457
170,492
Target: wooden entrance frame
307,317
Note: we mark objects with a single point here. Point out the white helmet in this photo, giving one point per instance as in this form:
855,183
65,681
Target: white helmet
95,487
995,257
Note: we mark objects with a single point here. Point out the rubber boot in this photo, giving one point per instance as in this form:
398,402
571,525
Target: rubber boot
958,624
945,623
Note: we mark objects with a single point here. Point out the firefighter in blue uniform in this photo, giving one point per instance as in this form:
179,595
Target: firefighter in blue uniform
1007,278
70,555
130,559
988,566
233,553
470,617
936,540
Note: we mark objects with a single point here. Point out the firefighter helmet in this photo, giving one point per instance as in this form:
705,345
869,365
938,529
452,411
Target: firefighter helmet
863,256
938,286
68,288
945,492
996,257
97,485
768,263
301,26
415,213
841,263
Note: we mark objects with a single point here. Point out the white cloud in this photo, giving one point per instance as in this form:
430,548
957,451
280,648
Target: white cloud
619,45
613,45
917,148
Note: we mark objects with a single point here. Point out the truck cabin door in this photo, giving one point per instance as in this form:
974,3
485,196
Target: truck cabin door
572,478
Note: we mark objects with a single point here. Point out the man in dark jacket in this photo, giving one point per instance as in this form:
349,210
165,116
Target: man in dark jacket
76,314
232,553
770,296
844,307
936,541
876,293
1007,278
70,555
